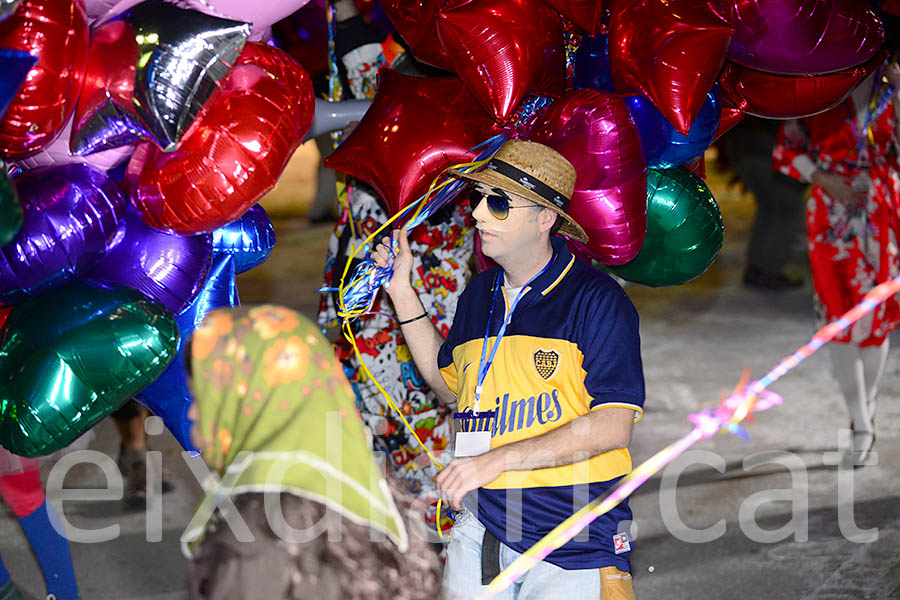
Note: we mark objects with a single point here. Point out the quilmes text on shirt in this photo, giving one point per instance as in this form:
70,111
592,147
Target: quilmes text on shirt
509,416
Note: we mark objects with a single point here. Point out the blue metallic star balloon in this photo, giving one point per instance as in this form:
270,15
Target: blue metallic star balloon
249,240
14,66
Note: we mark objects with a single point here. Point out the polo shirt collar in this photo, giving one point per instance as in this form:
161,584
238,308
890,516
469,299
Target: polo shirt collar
562,264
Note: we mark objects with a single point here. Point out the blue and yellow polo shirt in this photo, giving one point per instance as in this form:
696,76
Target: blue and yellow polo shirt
572,346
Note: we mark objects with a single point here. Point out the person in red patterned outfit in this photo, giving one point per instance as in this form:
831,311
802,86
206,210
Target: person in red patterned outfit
849,154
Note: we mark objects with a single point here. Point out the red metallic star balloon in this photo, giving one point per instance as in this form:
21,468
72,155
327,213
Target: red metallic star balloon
416,21
669,50
801,37
414,130
504,50
234,152
786,97
731,116
594,131
587,14
56,32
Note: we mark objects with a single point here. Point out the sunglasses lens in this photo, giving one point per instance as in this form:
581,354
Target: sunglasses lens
474,199
498,205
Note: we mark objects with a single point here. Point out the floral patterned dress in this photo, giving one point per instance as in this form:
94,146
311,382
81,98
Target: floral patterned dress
851,250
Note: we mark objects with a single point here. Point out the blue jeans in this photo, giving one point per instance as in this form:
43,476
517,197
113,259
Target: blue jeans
462,573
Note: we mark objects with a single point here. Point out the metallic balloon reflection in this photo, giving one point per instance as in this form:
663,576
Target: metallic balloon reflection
14,66
71,215
7,7
684,231
663,146
151,70
10,209
248,240
169,396
72,357
166,267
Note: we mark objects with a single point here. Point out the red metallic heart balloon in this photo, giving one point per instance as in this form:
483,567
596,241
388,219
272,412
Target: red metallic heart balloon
587,14
786,97
669,50
235,150
56,32
414,130
504,50
594,131
800,37
416,21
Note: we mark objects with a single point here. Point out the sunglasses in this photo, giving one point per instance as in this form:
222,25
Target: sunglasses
497,202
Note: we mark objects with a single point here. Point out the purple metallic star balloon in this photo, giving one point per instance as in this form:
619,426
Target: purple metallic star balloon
166,267
71,218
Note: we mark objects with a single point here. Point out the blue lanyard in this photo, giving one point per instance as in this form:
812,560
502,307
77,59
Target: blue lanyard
485,365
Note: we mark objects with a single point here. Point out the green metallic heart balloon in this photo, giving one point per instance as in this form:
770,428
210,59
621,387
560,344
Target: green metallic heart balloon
74,355
10,209
684,230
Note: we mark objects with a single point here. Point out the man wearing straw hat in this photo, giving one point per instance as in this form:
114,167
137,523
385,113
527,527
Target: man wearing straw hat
543,362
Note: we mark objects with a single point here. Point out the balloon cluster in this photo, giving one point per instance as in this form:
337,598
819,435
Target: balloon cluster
632,92
139,137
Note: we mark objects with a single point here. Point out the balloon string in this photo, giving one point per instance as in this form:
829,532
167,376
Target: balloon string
356,298
728,415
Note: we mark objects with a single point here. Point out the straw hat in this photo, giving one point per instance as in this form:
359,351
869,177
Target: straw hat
536,172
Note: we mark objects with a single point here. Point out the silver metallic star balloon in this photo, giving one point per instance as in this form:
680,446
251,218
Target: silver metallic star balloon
151,70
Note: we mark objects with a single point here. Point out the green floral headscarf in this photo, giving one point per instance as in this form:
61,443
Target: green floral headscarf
277,414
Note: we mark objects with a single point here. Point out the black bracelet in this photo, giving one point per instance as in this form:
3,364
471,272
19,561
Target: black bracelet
408,321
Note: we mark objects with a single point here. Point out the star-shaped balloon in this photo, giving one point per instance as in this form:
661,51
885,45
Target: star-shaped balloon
504,50
800,37
587,14
151,70
56,33
669,50
416,22
14,66
786,97
72,357
414,130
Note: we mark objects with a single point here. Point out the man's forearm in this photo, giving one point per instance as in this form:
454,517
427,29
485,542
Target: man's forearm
424,341
600,431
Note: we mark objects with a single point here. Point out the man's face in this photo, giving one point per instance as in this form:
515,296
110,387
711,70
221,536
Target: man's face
517,233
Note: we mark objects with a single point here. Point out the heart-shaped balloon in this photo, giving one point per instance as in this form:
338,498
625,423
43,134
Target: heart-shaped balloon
416,21
587,14
801,37
503,50
235,151
57,153
684,231
72,357
669,50
665,148
594,131
166,267
410,155
10,209
248,240
56,33
150,72
786,97
169,396
14,67
71,218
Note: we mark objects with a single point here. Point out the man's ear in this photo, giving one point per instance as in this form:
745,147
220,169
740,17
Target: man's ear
546,219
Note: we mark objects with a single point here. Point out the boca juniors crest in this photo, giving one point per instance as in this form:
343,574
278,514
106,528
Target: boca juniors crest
546,363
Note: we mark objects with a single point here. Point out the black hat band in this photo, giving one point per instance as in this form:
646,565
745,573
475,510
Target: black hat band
530,183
